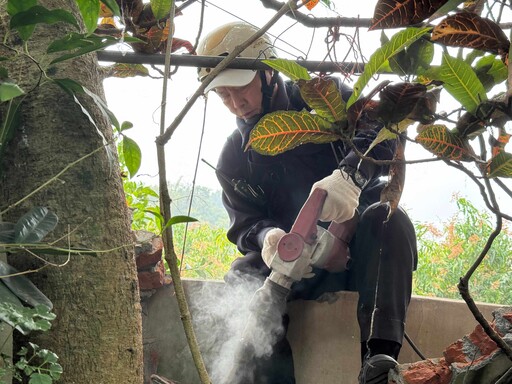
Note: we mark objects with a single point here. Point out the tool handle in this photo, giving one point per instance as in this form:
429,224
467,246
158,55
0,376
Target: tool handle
305,223
303,231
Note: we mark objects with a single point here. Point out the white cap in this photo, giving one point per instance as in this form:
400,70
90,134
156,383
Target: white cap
232,78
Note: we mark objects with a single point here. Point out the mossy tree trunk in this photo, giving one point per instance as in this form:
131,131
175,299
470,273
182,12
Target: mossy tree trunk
97,333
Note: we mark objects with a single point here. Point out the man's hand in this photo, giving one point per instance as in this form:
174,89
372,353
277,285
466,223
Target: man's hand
270,244
342,197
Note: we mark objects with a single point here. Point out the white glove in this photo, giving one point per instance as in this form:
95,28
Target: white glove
342,197
269,249
272,237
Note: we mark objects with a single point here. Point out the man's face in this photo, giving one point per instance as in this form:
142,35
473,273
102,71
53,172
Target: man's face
244,102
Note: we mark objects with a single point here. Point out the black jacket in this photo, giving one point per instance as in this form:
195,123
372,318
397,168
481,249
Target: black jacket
286,179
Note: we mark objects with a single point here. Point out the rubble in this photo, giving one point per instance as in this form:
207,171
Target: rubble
473,359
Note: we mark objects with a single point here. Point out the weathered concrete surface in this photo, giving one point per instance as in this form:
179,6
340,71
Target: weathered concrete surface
324,337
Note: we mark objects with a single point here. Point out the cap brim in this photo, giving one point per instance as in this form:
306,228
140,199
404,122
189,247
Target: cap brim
231,78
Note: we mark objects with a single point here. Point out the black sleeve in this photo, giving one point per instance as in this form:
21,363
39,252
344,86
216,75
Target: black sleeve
248,221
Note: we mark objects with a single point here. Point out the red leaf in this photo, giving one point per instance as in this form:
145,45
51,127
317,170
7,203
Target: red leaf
402,13
469,30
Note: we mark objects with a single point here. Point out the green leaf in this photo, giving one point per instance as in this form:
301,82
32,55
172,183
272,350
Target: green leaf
132,155
103,108
161,8
8,297
501,165
90,10
81,44
40,378
22,287
112,5
462,83
4,74
281,131
385,134
324,97
73,88
35,225
55,370
9,91
24,319
70,86
155,212
48,356
473,55
398,42
88,115
10,121
178,219
289,68
39,14
17,6
490,71
6,232
420,54
441,142
412,60
126,125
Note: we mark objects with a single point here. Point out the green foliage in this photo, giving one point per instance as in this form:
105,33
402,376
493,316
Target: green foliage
9,91
25,15
24,19
17,291
208,253
160,8
143,202
398,42
207,205
462,82
289,68
446,253
39,365
90,11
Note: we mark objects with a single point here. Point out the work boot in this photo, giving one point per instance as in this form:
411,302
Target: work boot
375,369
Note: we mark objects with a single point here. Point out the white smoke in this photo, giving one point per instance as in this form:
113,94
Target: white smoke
221,316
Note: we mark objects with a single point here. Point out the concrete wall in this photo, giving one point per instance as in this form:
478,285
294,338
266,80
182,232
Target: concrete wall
324,337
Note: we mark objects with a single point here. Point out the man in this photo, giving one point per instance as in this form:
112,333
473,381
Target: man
275,188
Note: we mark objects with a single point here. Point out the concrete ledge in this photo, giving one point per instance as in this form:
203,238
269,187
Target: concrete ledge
324,337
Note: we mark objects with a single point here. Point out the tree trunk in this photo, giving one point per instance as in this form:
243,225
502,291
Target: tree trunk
97,333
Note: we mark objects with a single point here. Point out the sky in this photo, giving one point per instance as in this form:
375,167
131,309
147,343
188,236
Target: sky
429,190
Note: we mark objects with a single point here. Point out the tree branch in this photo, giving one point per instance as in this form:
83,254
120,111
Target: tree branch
314,22
164,138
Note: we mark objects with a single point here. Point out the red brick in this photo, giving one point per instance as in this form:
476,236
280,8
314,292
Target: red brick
151,257
428,372
453,353
152,279
480,339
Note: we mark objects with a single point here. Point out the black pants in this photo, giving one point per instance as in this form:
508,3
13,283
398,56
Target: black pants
384,257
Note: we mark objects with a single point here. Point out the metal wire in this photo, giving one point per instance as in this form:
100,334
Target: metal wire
414,347
193,184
